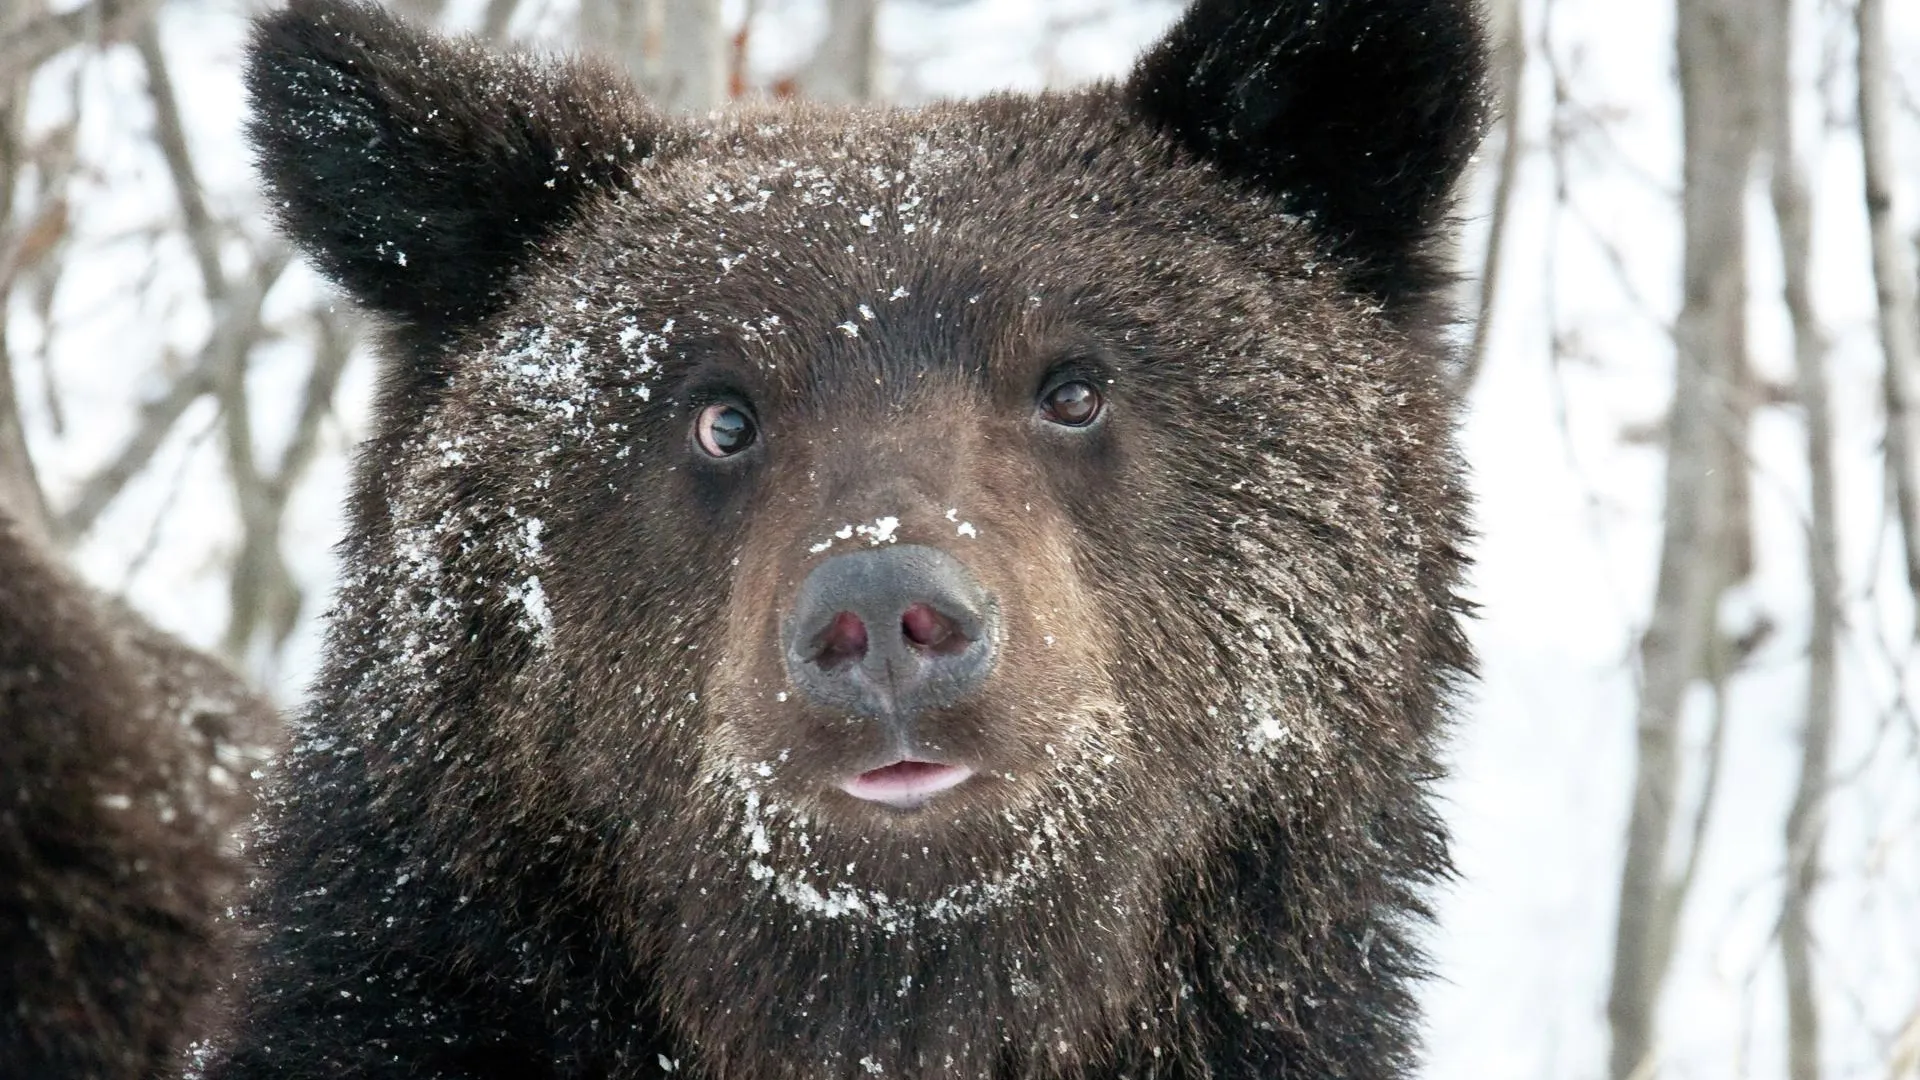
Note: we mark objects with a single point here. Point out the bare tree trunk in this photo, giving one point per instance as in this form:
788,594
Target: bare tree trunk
1699,554
1510,31
1904,1062
20,497
20,494
499,15
847,66
676,50
689,74
1793,213
1894,283
618,30
419,12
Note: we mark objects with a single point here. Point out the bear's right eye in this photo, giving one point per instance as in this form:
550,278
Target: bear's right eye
723,429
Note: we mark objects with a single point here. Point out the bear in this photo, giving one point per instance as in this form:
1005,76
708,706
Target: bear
127,773
959,591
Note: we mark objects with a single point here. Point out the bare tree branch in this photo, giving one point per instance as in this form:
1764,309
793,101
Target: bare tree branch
47,35
619,30
675,49
1673,897
202,236
1893,277
262,588
237,326
336,341
20,496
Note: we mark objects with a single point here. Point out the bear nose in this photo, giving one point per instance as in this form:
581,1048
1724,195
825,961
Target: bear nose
891,633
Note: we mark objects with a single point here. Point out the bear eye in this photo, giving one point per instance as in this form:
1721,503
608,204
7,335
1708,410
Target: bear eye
724,429
1073,404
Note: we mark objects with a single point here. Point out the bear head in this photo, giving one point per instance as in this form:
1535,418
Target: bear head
932,565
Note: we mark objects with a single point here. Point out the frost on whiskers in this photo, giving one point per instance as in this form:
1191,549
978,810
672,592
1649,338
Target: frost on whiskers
785,851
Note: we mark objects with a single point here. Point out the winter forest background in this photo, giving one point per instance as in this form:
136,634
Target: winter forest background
1693,411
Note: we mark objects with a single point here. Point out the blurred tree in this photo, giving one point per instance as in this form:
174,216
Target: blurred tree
676,50
1703,549
846,68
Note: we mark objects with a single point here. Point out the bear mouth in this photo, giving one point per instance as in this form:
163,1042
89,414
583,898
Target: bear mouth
906,783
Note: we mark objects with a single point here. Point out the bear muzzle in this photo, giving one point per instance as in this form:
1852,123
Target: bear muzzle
890,635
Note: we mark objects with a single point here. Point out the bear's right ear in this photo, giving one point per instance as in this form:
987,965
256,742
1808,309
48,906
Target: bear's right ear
419,172
1357,114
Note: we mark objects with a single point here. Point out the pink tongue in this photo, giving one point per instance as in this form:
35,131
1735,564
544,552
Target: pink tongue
905,781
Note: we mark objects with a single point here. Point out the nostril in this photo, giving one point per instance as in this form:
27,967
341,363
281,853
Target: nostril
889,633
844,641
930,631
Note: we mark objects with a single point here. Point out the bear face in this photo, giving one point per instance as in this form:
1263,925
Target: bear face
963,591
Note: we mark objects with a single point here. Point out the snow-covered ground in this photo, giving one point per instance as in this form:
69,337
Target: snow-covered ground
1568,507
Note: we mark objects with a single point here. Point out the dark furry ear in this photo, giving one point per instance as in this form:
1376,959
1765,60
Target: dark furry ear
420,172
1359,114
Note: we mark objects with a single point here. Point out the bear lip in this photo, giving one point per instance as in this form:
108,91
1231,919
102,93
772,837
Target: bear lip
906,783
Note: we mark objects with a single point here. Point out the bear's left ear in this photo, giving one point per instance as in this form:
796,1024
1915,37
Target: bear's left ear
1358,114
419,172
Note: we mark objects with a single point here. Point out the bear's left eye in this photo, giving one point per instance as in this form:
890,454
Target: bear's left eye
1073,404
724,429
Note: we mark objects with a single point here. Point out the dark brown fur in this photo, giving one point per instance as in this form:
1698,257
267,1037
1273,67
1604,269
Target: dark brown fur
126,765
557,810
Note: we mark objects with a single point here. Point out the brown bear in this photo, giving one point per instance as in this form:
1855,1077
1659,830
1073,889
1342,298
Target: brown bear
966,591
127,765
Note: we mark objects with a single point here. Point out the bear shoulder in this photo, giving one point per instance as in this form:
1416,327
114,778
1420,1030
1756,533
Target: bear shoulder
126,772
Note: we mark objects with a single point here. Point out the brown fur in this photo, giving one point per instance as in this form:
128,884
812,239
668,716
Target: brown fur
125,774
560,811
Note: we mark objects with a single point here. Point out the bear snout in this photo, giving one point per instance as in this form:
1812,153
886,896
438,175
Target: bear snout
890,634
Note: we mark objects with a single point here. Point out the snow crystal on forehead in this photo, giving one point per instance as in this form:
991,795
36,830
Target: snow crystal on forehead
884,530
643,350
872,194
545,374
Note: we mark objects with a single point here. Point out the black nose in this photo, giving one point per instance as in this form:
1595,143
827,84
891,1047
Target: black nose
891,632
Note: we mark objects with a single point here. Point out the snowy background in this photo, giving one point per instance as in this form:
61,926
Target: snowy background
1579,370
